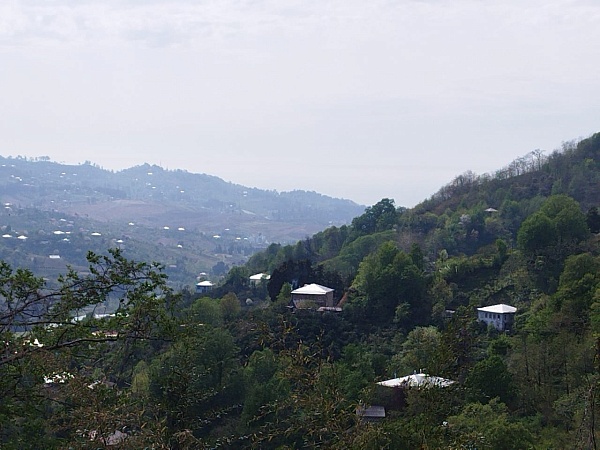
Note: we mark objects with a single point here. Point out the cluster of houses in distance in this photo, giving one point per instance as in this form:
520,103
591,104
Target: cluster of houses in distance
320,298
391,393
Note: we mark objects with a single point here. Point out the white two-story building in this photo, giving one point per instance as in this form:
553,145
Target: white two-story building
500,316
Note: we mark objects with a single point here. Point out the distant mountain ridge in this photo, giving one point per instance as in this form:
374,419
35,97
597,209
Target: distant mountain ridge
172,210
51,185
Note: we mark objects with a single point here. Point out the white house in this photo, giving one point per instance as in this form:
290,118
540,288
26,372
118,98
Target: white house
418,380
203,287
258,278
500,316
312,296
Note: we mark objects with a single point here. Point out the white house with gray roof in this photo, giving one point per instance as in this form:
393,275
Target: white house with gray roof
500,316
312,296
203,287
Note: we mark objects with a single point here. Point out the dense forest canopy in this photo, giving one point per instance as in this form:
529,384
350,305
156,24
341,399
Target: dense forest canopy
238,368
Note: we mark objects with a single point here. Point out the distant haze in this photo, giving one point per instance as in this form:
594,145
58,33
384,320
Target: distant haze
353,99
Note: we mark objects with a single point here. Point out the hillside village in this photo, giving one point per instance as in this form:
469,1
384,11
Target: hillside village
52,214
468,321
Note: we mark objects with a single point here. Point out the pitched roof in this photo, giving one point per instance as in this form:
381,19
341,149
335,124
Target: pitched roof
498,309
417,380
329,308
260,276
312,289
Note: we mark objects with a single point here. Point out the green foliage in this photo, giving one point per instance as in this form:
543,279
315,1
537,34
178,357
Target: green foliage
315,398
488,426
536,233
205,310
379,217
417,257
489,379
230,307
559,221
195,381
500,346
237,281
548,236
356,370
577,291
264,385
352,253
387,279
593,220
420,352
502,250
42,342
330,241
264,261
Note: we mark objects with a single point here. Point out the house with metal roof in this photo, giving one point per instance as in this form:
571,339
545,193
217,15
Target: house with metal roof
417,380
259,278
312,296
203,287
500,316
393,393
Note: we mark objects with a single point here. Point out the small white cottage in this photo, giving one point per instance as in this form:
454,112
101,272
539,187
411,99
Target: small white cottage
203,287
500,316
258,278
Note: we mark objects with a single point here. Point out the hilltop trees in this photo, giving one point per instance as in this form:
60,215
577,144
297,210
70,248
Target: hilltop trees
390,287
550,234
379,217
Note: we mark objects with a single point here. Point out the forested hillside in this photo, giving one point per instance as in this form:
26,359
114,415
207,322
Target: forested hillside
239,368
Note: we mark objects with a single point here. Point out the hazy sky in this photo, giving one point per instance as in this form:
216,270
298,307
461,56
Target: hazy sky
350,98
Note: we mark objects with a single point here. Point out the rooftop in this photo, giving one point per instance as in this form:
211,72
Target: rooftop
498,309
312,289
417,380
373,412
260,276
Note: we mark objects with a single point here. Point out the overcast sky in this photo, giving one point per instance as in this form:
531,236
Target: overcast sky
350,98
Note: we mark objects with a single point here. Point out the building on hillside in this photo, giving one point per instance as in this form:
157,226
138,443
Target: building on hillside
259,278
500,316
312,296
373,413
203,287
417,380
334,309
393,394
